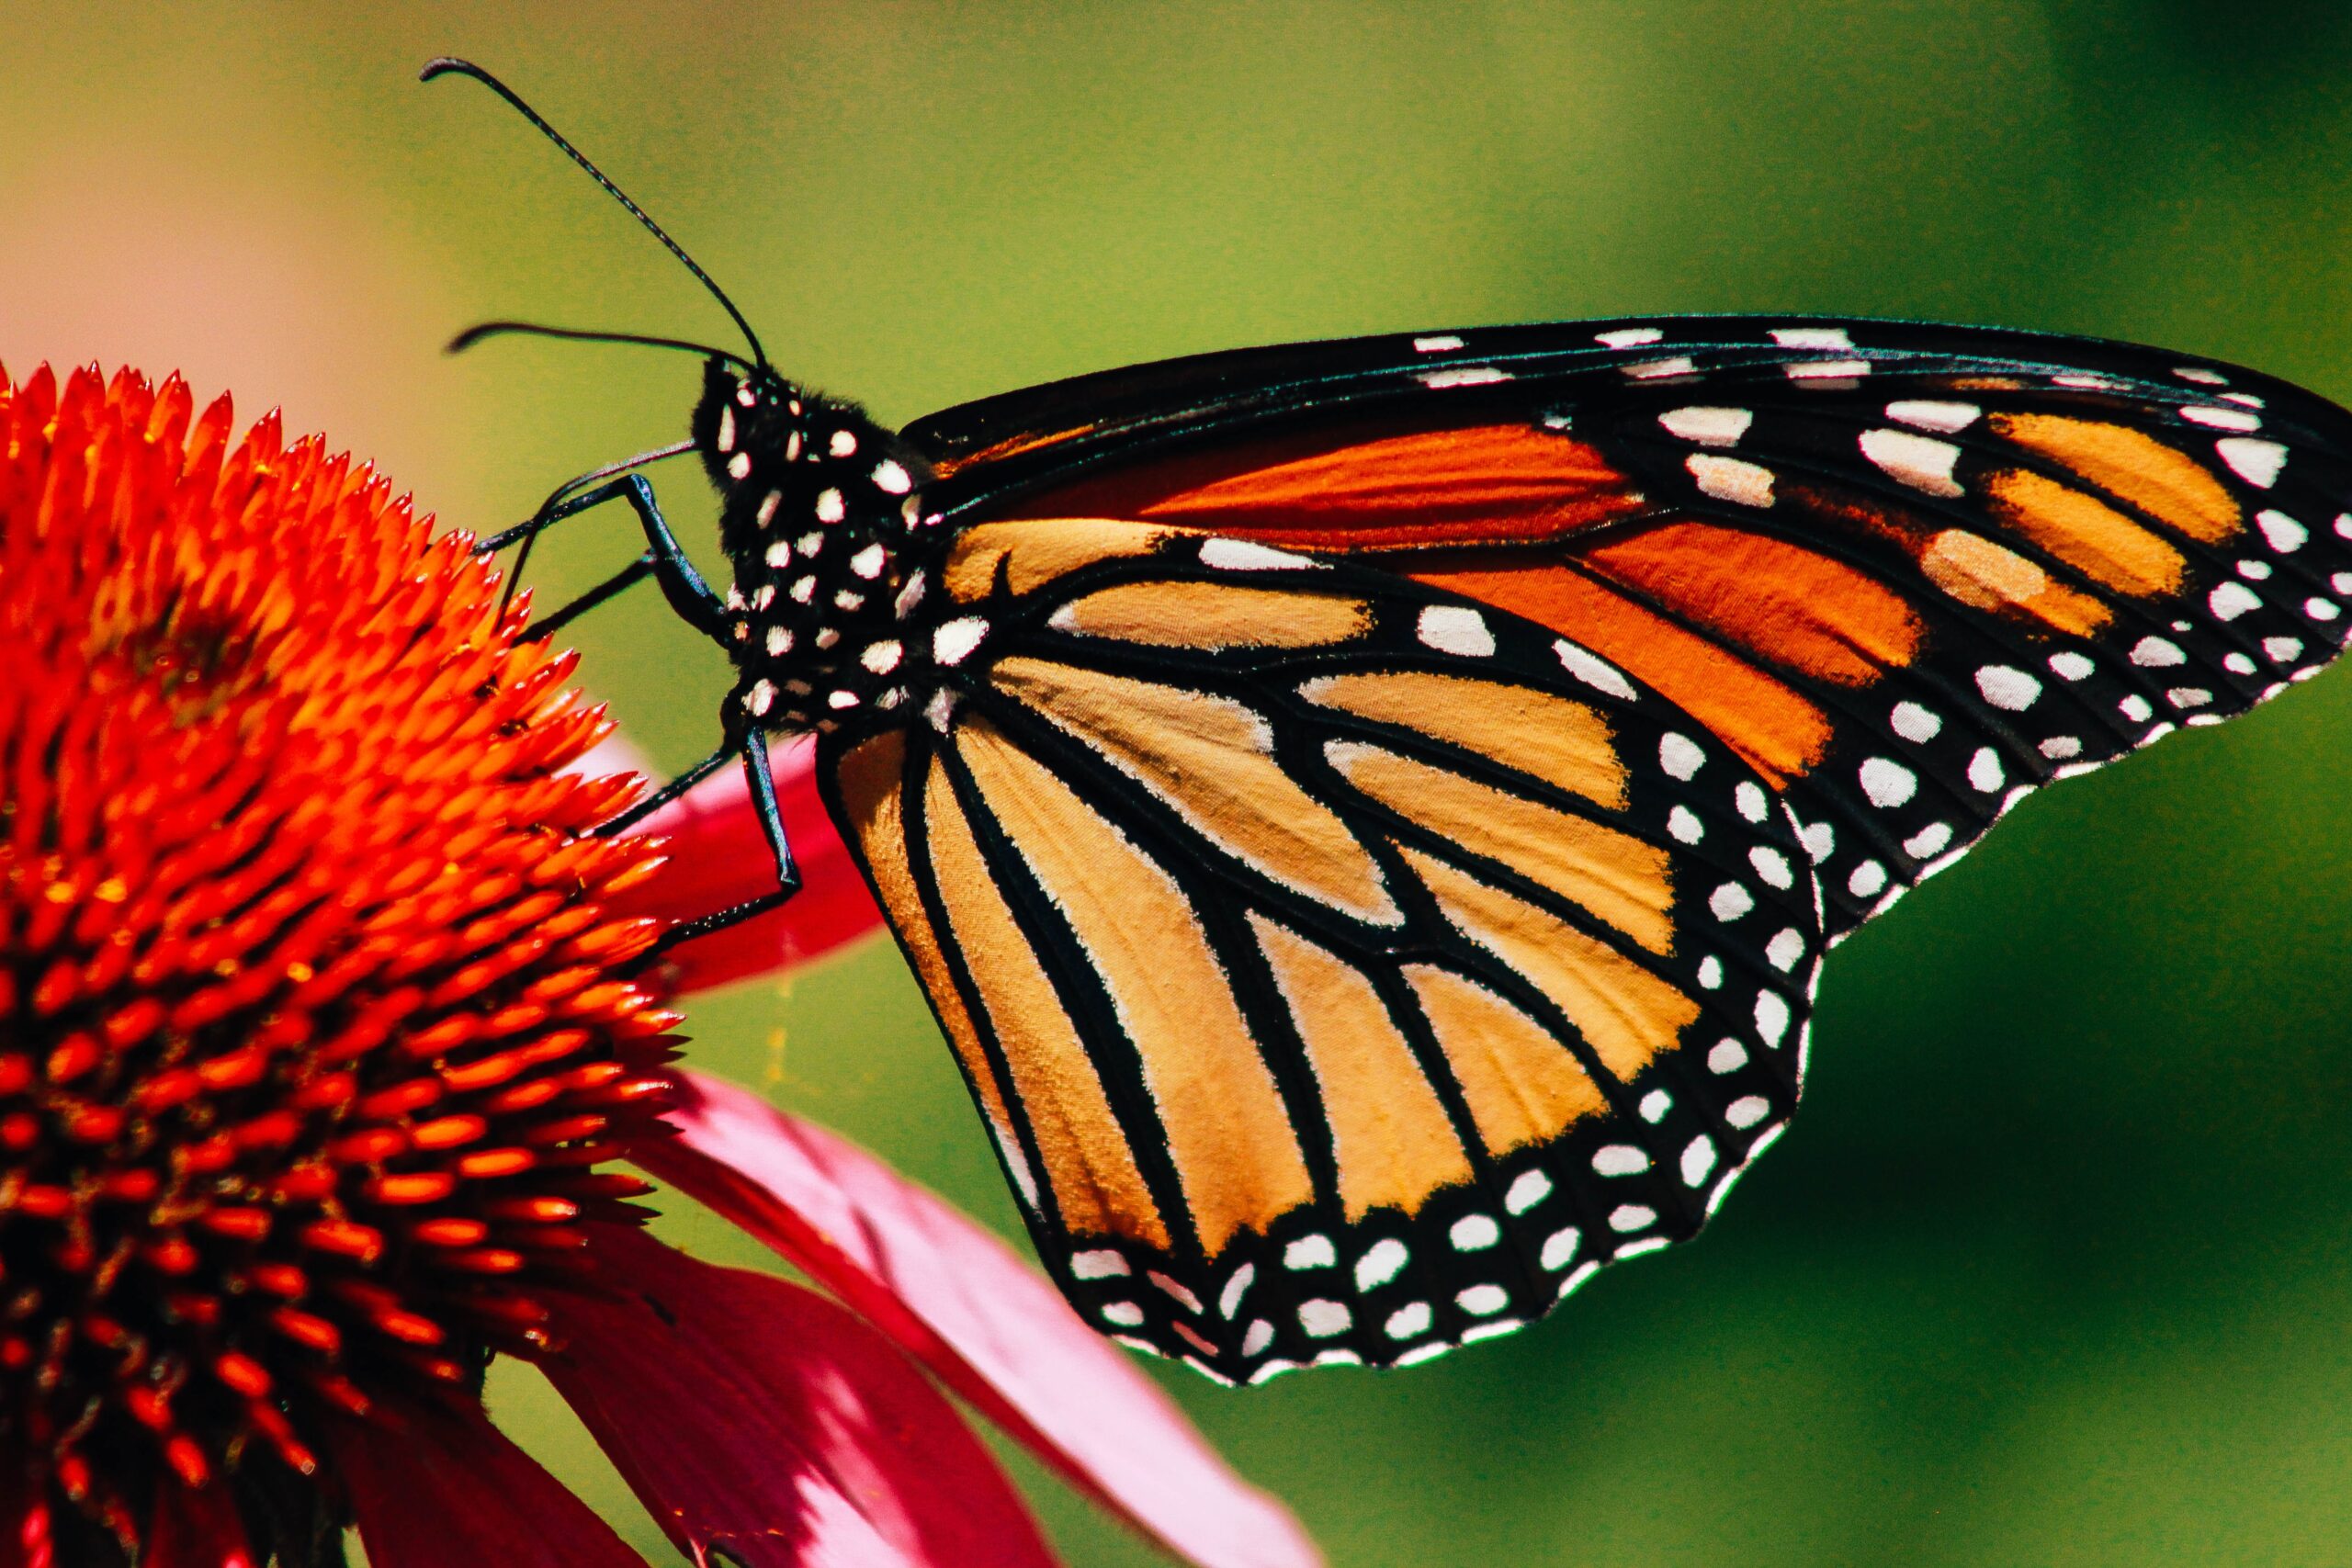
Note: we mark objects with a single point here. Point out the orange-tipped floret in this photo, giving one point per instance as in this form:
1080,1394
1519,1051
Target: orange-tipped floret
313,1024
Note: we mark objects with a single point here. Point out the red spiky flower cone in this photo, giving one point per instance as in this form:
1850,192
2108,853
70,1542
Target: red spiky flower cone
321,1033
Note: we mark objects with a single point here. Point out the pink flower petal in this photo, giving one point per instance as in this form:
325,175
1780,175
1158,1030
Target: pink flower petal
717,858
445,1489
196,1530
992,1328
756,1417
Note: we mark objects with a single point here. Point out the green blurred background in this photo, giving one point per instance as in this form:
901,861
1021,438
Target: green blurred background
2057,1267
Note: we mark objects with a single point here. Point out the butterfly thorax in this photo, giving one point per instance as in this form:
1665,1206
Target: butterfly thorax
819,509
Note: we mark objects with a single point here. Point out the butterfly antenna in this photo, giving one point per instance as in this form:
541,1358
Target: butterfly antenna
446,66
475,334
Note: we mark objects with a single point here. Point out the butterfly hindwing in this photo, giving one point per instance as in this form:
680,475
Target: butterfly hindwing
1344,969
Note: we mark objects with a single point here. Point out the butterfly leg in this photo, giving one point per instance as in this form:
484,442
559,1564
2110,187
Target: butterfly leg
665,561
751,747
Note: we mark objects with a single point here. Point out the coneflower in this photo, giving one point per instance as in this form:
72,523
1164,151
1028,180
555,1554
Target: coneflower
322,1041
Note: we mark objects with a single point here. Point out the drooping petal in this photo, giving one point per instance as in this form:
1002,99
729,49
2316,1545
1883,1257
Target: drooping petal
197,1527
718,859
449,1491
987,1323
757,1419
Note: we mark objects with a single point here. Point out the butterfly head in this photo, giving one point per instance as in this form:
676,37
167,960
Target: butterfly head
821,507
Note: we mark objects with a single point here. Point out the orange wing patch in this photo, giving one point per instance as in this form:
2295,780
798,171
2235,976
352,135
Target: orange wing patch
1362,490
1796,607
1625,1013
1032,554
1775,730
1089,1163
1623,880
1210,759
1567,744
2086,534
2165,483
1213,615
1236,1155
1394,1142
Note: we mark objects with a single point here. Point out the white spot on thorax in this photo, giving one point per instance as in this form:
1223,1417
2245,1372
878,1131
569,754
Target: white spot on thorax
881,657
842,445
952,642
941,709
739,466
828,506
726,442
768,504
779,642
891,479
779,555
869,561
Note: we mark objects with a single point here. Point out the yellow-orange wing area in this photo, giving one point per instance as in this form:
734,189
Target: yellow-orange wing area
1346,971
1905,574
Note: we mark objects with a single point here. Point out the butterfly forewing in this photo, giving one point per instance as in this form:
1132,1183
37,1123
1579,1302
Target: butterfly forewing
1906,573
1346,970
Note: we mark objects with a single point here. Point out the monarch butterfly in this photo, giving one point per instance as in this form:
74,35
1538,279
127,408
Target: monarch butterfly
1369,815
